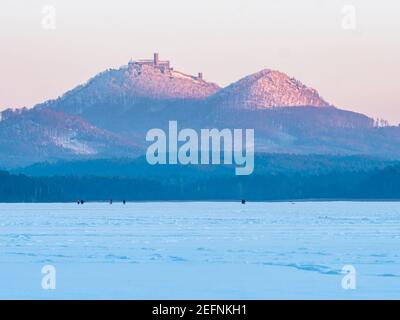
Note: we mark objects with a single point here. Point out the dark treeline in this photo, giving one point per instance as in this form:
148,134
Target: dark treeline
264,164
334,184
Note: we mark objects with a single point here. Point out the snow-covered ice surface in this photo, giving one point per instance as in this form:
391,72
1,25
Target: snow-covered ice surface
203,250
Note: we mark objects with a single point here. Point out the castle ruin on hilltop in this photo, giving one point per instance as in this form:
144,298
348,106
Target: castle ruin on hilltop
163,65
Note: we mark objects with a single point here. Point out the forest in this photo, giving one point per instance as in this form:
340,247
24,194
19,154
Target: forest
276,177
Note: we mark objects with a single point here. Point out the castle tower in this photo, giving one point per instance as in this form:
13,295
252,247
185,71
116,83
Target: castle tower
155,58
200,76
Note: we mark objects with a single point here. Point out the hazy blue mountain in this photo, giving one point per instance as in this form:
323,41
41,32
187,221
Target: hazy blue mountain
109,116
35,135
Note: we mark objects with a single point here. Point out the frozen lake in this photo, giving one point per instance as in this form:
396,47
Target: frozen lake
203,250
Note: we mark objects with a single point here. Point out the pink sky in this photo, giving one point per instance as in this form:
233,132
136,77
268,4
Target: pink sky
355,69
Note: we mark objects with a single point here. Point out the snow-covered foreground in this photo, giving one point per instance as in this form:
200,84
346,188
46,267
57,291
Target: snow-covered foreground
209,250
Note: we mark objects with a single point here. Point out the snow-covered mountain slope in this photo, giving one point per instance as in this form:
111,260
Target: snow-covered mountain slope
109,116
42,135
267,89
131,83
